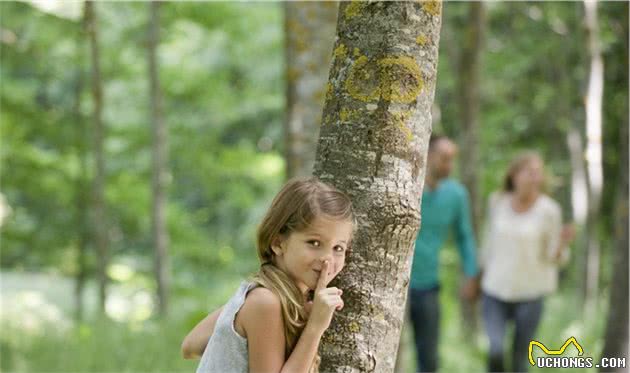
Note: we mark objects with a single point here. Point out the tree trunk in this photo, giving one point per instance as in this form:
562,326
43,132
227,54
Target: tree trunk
469,93
579,206
372,145
616,337
82,186
579,188
160,172
310,33
469,99
593,155
99,221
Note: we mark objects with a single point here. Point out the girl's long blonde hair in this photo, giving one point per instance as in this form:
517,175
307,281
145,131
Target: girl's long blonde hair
294,208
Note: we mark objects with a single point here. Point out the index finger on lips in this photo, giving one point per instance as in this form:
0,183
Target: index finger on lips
323,277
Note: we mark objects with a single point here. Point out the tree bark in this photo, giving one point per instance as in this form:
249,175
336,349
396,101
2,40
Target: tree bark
579,188
310,33
469,98
82,186
99,221
160,159
579,204
372,145
593,155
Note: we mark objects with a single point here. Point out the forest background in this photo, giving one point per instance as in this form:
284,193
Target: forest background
220,70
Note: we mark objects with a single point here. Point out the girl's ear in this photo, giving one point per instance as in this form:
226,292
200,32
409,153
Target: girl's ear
276,245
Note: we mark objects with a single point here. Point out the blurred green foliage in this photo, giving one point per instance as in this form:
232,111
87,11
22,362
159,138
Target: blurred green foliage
218,107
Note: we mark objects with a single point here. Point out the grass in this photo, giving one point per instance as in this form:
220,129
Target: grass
44,340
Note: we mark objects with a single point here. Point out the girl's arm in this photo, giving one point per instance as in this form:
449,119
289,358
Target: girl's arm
262,322
261,317
195,342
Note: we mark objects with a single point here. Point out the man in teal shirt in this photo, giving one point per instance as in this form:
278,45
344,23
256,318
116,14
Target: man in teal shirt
445,207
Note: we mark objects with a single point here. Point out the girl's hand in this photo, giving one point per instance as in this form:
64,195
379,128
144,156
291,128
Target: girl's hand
325,302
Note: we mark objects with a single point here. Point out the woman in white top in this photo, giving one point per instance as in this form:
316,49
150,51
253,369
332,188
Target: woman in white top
523,246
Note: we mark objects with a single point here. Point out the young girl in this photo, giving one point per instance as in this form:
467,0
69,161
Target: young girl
270,324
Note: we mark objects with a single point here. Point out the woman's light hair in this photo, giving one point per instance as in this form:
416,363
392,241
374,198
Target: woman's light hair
517,164
295,207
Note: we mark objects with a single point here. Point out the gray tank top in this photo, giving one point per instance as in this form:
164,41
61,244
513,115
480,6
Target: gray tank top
226,351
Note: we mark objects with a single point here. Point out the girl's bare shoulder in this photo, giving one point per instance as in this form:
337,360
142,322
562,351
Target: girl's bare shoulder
261,305
261,297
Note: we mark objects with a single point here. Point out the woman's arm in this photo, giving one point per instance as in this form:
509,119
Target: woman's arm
195,342
558,237
562,252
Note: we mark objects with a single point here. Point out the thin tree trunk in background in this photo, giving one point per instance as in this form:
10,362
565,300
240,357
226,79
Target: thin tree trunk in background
372,145
469,98
310,34
616,334
579,204
616,337
160,158
82,185
593,155
99,220
450,40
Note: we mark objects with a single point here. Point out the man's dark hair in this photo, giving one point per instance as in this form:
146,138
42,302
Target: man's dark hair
435,138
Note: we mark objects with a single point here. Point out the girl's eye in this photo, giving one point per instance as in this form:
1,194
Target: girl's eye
314,243
340,249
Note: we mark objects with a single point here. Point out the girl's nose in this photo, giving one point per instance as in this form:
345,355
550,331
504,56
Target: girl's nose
327,256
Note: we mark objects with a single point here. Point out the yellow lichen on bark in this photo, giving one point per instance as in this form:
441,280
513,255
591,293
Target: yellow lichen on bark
395,79
356,52
353,9
353,326
422,40
401,79
348,115
325,120
431,6
341,51
359,81
400,120
344,114
328,337
329,91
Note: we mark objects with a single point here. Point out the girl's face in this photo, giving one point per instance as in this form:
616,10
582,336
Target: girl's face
530,177
302,254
